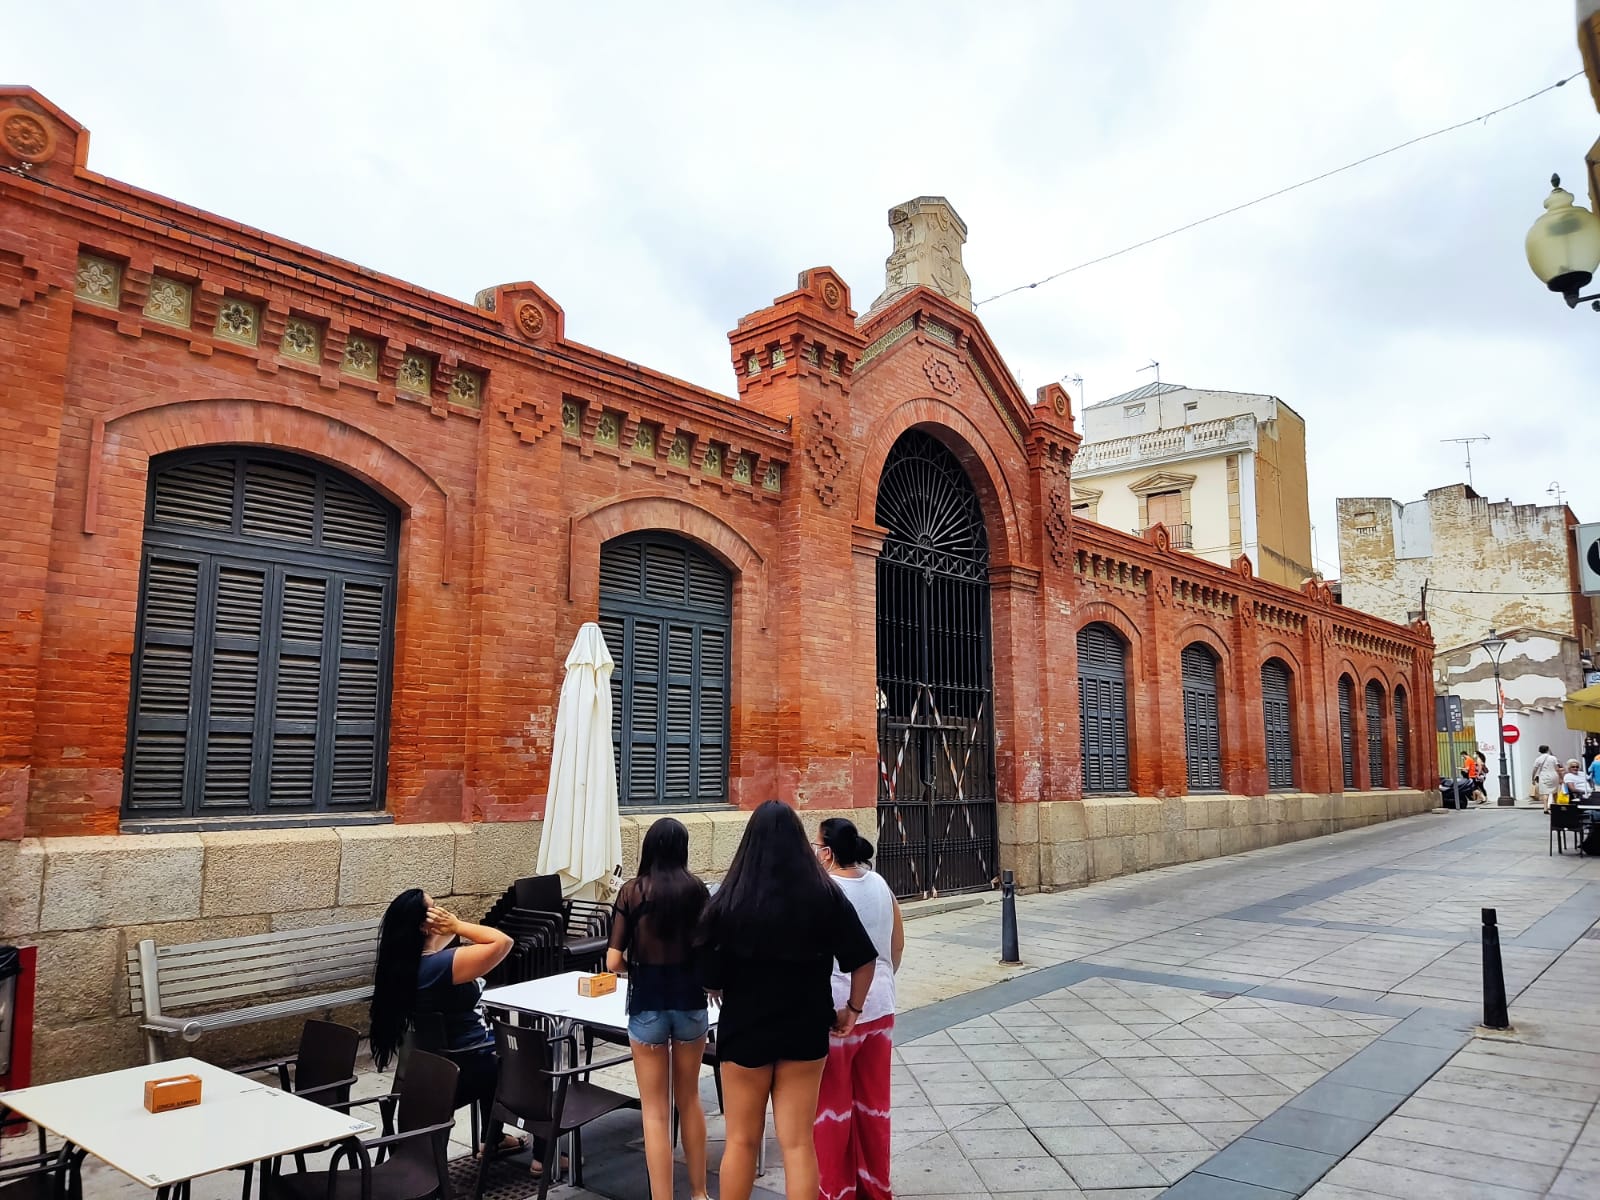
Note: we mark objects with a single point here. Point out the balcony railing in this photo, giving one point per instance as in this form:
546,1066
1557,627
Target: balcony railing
1207,437
1182,535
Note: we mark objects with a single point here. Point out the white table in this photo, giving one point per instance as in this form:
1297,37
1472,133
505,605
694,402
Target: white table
238,1121
557,996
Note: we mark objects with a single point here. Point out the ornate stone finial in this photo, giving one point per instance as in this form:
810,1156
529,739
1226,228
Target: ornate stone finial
928,236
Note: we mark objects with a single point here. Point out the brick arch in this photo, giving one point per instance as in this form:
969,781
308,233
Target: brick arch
1104,612
1199,631
1377,674
125,439
612,518
1277,649
977,457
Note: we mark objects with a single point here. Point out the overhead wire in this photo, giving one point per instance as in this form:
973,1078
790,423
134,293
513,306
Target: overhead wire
1283,191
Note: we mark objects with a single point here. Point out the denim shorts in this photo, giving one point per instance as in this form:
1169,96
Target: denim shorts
656,1027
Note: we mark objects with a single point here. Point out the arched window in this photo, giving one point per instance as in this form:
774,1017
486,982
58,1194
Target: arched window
666,611
1103,708
266,617
1347,732
1375,772
1202,736
1402,739
1275,712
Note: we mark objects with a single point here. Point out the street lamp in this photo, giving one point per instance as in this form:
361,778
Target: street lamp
1563,246
1495,645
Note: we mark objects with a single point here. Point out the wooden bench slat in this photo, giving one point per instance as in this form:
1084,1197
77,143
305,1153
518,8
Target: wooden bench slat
179,969
225,991
200,991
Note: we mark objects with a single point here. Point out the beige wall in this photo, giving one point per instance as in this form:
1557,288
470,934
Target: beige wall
1119,508
1283,505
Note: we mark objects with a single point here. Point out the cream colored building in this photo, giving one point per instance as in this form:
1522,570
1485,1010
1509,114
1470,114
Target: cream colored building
1225,472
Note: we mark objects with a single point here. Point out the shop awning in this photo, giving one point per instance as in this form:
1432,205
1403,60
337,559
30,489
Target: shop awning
1583,709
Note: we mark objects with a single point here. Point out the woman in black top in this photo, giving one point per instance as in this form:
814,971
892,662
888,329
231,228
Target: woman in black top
768,943
423,972
652,941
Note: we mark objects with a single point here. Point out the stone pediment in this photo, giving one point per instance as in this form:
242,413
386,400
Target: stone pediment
1162,481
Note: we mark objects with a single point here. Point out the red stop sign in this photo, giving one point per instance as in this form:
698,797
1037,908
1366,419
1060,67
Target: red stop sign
1511,734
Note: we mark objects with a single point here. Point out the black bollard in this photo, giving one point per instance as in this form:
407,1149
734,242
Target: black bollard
1009,954
1494,976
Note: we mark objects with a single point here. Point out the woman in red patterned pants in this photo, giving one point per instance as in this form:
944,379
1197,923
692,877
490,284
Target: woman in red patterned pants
852,1128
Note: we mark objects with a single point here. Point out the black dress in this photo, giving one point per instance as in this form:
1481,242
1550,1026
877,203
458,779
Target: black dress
661,971
776,985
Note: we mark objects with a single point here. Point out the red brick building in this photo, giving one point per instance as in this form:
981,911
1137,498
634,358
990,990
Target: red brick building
293,546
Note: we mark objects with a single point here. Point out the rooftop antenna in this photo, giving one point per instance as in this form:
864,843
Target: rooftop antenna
1467,442
1555,489
1077,379
1154,366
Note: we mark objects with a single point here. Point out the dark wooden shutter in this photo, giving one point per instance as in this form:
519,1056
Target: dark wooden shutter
1402,739
1375,771
665,611
266,621
1103,709
1276,713
1202,736
1347,735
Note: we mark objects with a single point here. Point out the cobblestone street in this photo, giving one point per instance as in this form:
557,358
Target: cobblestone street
1292,1021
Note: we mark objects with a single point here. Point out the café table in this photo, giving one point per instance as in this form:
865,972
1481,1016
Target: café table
238,1121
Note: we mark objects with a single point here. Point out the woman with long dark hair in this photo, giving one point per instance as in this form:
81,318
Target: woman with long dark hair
768,942
422,972
652,941
852,1129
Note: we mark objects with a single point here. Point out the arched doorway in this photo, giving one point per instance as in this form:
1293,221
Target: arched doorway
266,626
936,802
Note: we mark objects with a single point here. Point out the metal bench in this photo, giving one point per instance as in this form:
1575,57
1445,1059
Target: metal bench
247,968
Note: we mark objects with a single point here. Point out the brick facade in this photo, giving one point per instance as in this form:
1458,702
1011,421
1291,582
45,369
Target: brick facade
514,454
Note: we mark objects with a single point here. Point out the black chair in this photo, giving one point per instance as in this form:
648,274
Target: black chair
9,1119
323,1070
1565,819
412,1163
427,1033
552,934
47,1175
536,1096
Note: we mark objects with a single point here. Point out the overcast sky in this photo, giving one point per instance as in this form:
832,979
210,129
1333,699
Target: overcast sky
663,169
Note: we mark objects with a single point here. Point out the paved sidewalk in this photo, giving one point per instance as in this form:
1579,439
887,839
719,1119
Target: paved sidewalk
1291,1021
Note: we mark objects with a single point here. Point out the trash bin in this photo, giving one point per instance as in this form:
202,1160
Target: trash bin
1455,793
16,1015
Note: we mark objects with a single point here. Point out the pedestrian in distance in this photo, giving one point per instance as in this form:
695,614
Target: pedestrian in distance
1575,787
852,1128
1594,773
768,944
1472,770
652,941
1546,777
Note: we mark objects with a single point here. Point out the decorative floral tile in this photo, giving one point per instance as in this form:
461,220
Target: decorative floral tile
99,280
169,301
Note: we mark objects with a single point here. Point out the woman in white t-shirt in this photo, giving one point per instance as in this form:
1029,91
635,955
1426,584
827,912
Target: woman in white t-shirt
852,1129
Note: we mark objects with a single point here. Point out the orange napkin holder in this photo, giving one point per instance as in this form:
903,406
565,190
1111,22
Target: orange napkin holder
602,984
178,1091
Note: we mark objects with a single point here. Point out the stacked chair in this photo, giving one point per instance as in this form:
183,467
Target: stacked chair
549,934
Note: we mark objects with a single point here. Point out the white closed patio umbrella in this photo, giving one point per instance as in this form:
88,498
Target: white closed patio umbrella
582,836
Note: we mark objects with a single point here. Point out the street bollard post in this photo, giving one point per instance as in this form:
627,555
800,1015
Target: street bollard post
1494,976
1009,954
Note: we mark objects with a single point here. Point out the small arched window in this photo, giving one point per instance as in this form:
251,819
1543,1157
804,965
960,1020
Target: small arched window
1202,731
1103,708
1402,739
1347,732
1376,775
1275,712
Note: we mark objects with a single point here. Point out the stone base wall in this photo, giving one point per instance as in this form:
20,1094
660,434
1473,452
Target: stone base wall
1069,843
86,901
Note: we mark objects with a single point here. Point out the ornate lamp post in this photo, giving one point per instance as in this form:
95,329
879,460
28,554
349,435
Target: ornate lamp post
1495,645
1564,246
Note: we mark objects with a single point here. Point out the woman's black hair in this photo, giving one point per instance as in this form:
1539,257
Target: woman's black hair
676,897
394,984
849,848
775,895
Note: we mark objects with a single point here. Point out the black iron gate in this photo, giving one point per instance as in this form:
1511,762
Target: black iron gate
936,803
